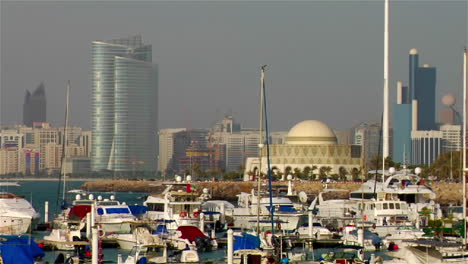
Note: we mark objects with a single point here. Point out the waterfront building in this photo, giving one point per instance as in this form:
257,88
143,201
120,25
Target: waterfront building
11,138
309,143
426,146
8,160
451,137
124,102
34,106
166,149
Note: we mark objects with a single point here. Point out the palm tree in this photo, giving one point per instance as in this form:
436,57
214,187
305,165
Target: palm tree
313,175
342,172
297,173
355,173
324,171
307,172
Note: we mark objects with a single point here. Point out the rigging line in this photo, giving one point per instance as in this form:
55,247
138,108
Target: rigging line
378,158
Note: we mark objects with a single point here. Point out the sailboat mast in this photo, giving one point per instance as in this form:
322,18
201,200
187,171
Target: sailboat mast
465,73
260,147
385,92
65,141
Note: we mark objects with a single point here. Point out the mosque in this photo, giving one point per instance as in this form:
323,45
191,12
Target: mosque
309,143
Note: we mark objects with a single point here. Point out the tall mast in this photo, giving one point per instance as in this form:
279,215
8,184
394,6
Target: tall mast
260,145
385,92
465,73
64,148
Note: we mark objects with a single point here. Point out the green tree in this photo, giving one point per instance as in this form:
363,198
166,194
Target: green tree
342,173
324,171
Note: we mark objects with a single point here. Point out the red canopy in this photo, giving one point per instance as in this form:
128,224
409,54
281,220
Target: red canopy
79,211
190,232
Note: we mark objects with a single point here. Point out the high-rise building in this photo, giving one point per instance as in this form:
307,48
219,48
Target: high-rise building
34,106
124,101
426,146
451,138
422,85
414,113
166,149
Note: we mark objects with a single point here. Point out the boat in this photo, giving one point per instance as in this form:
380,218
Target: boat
17,215
288,215
177,203
318,231
64,239
14,250
406,186
139,236
429,251
350,237
333,207
386,214
160,254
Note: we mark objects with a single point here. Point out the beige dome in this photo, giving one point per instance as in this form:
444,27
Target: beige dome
311,132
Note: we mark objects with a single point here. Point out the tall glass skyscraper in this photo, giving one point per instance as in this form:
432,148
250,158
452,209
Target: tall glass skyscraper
124,97
34,107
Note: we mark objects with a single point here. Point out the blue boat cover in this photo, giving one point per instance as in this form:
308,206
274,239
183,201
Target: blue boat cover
246,241
160,229
284,208
20,251
210,213
138,209
113,211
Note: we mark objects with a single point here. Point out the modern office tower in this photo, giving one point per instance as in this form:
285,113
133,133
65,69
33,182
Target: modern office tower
124,101
34,107
422,85
414,110
368,136
166,149
402,123
451,137
426,146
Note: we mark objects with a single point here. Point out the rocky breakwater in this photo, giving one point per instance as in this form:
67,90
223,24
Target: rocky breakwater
447,193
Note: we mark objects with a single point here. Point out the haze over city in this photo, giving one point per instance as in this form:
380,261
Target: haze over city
325,58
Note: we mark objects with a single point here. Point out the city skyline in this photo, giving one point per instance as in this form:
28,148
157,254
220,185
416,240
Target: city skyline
209,56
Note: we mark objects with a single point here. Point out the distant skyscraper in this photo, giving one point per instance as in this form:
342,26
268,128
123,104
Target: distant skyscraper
422,86
34,107
415,111
124,101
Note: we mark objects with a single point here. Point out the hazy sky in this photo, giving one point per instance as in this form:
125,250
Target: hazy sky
325,57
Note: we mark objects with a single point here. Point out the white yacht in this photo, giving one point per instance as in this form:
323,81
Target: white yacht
386,214
333,206
177,205
17,216
406,186
288,216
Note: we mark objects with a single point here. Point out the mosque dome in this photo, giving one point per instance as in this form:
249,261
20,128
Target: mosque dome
311,132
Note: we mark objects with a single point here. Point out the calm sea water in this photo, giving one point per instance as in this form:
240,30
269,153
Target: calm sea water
38,192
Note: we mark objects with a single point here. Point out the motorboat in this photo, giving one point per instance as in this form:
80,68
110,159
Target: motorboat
17,249
351,237
386,214
17,215
250,212
64,239
160,254
333,207
408,187
139,236
177,203
111,215
318,231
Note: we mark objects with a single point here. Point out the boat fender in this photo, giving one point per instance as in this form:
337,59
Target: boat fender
183,214
196,214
